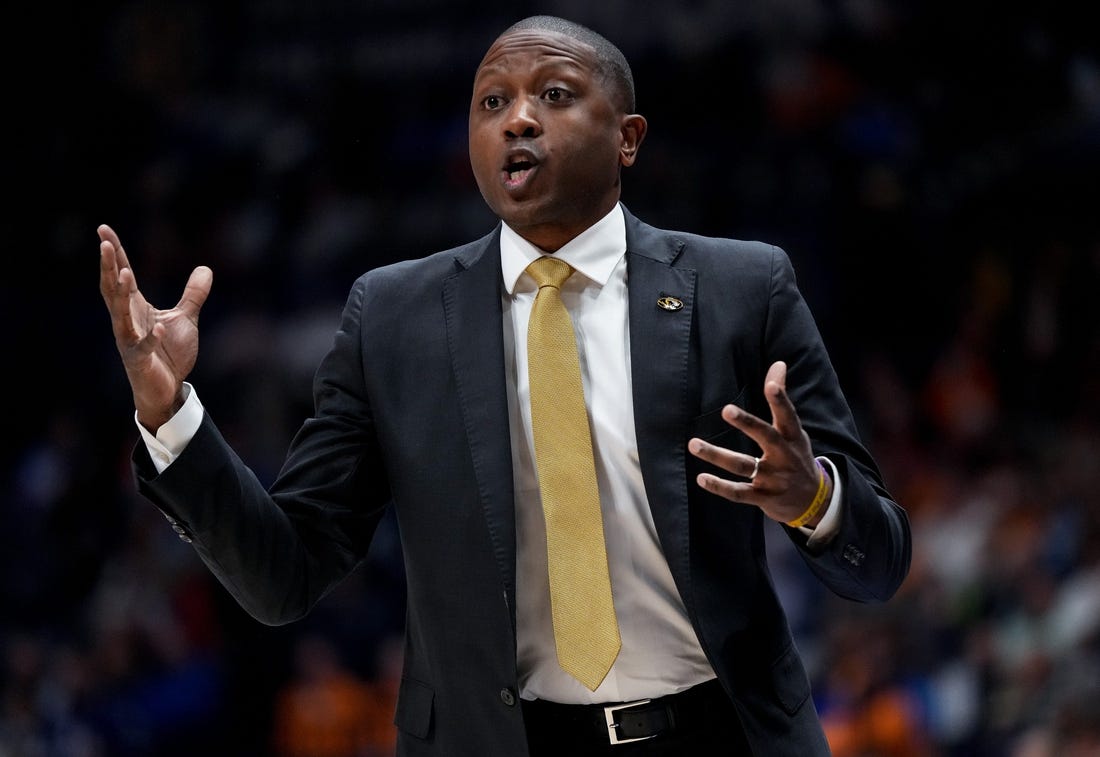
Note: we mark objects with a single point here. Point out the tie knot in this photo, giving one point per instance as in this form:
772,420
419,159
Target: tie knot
550,271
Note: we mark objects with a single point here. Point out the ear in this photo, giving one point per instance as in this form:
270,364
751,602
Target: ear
633,130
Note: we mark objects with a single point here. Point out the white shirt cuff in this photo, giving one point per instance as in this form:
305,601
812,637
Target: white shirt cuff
173,436
830,522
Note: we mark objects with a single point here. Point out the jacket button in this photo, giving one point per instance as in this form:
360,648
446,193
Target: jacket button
508,697
181,532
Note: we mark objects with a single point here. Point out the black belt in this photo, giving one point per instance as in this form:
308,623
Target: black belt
626,722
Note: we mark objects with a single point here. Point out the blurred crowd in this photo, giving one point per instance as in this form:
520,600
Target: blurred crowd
932,169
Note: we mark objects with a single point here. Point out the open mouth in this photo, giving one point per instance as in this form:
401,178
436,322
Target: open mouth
518,171
518,168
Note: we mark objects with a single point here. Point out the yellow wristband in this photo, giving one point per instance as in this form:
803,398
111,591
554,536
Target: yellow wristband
819,499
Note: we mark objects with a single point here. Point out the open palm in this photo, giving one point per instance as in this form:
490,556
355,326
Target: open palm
158,347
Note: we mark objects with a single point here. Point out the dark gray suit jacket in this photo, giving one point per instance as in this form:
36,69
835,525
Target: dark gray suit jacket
411,410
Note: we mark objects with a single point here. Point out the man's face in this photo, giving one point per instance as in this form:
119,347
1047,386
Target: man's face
546,138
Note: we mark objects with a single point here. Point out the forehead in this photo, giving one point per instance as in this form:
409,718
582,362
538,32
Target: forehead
524,50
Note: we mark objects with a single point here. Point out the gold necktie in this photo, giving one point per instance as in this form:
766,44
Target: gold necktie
585,631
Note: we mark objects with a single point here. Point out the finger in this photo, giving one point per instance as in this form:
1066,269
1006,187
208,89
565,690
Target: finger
149,343
119,302
737,463
196,291
107,234
731,490
108,270
136,351
757,429
112,285
784,416
112,264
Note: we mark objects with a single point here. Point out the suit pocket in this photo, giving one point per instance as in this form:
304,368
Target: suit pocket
414,708
711,427
710,424
792,685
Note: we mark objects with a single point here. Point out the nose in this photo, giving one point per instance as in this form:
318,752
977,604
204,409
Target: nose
522,120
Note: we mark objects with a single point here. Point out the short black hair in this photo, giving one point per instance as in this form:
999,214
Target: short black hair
613,64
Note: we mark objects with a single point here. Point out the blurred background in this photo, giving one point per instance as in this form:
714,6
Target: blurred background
931,168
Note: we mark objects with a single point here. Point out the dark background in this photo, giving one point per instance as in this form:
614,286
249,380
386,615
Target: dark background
931,168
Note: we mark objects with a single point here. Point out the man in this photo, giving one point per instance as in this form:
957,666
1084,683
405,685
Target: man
687,345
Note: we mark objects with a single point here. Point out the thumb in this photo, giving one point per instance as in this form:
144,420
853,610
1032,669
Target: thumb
196,291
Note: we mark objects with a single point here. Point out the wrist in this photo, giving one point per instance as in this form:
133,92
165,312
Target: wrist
813,514
154,414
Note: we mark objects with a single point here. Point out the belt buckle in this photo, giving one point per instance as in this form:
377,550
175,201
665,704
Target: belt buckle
608,713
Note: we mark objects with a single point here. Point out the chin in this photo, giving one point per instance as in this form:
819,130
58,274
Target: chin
518,213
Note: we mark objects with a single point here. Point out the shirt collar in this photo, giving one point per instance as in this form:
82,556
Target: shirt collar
594,252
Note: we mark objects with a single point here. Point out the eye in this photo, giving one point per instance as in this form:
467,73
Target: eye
557,94
492,102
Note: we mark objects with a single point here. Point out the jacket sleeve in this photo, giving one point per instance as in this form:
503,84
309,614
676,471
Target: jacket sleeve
868,559
280,551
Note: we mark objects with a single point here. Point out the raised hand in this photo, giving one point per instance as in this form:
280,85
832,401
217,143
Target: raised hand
785,479
158,347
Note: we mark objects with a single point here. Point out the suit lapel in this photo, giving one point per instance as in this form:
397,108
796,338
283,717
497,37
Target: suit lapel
472,307
660,343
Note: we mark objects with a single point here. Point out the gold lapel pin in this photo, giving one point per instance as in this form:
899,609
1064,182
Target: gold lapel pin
668,302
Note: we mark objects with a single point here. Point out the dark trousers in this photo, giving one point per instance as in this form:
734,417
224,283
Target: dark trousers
698,722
